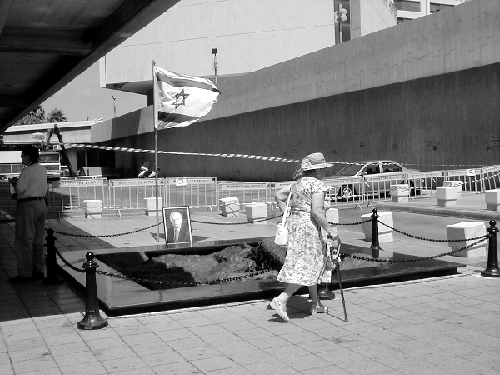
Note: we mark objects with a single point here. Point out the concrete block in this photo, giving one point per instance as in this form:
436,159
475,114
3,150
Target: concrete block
92,208
464,230
400,193
446,196
492,198
229,206
384,233
151,206
256,211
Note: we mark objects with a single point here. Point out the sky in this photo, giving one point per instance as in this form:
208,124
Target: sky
83,99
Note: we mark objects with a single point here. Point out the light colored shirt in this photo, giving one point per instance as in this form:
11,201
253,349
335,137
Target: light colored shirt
32,182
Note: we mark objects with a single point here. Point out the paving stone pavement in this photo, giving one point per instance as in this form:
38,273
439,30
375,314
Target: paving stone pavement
445,325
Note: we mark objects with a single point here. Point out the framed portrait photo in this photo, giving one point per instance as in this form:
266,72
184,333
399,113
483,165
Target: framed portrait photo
177,225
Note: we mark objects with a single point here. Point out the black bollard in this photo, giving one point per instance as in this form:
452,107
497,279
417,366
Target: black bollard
52,277
375,246
492,262
92,318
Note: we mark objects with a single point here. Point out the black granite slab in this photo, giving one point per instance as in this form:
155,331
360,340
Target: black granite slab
119,296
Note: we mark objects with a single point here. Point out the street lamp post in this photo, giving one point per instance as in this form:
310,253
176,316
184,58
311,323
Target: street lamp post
339,17
114,106
214,52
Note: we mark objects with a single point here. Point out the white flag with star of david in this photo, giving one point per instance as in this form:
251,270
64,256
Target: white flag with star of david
182,99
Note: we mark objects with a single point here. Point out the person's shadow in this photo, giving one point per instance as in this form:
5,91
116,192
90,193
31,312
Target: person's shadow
297,308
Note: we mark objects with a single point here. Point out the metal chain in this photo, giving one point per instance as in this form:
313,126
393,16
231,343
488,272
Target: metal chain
356,223
187,283
107,235
238,223
377,260
68,263
426,239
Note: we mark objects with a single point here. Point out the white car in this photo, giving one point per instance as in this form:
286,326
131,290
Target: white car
367,177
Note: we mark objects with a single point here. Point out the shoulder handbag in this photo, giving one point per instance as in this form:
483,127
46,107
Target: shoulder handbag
281,237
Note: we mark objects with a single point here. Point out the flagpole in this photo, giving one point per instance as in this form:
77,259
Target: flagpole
155,121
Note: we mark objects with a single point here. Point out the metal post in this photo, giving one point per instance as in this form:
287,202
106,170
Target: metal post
53,277
214,52
114,106
92,318
375,246
492,262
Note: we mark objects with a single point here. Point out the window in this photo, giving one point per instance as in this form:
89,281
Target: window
437,7
372,169
409,6
401,20
391,167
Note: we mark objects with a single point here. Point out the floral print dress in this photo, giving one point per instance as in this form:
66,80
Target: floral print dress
304,261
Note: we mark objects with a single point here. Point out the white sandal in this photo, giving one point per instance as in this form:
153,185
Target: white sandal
277,305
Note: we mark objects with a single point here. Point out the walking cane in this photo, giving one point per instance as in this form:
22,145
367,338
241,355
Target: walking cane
336,259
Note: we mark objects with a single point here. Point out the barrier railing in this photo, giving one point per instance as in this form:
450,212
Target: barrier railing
424,183
131,193
69,194
491,179
192,191
471,179
346,191
246,192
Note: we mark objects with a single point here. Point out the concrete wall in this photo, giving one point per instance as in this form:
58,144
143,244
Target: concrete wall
462,37
424,92
430,123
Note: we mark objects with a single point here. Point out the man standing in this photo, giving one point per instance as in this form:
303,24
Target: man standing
177,232
31,191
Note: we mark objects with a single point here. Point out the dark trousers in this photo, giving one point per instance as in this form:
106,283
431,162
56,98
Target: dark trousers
30,231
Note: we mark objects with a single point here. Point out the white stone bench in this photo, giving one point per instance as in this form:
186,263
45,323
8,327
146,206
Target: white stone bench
492,198
256,211
463,230
229,206
151,206
92,208
400,193
384,233
446,196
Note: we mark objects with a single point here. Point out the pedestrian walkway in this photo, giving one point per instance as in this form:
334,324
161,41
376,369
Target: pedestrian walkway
446,325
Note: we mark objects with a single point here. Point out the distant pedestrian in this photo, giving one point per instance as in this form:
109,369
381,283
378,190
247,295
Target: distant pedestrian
306,249
30,191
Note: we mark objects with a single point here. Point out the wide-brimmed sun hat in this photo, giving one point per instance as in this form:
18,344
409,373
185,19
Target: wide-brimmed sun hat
312,161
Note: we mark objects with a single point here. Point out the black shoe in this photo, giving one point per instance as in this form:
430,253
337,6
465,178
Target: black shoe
21,279
38,276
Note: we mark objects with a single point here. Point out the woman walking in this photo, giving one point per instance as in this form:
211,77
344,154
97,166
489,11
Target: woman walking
306,249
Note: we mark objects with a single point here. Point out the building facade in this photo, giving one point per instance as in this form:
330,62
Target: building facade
245,35
408,10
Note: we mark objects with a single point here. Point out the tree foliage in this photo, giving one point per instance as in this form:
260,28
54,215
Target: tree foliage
36,116
56,115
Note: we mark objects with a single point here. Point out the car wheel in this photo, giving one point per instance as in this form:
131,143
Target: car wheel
347,192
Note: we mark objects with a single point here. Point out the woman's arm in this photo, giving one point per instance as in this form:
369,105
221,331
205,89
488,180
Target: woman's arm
282,196
318,214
